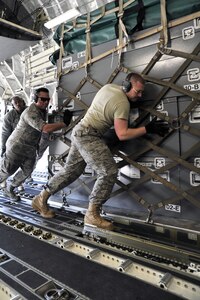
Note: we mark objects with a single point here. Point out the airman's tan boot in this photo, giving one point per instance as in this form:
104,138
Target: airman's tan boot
92,217
40,204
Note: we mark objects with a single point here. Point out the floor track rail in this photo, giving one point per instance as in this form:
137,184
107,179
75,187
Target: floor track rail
180,280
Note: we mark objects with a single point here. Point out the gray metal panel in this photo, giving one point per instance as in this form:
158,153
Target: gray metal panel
151,191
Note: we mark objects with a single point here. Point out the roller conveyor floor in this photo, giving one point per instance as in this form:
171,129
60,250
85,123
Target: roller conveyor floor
57,255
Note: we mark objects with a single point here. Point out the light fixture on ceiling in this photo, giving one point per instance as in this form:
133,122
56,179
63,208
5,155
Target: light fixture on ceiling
67,16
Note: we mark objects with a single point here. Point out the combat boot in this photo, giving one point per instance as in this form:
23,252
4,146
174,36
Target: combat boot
9,192
92,217
40,204
21,188
29,179
3,185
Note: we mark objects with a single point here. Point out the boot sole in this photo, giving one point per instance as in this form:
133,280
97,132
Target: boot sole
95,226
34,206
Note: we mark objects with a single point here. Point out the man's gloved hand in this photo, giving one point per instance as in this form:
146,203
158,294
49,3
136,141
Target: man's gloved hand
67,116
159,127
111,139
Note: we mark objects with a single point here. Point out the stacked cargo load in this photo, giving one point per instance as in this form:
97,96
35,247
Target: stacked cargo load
159,178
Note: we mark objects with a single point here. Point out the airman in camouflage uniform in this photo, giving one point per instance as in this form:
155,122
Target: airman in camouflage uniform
10,120
110,107
22,144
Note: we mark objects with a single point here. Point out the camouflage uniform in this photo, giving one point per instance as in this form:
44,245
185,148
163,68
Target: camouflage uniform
88,146
44,143
22,144
10,122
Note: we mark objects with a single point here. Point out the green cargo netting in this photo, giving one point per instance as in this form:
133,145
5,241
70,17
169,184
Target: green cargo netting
137,16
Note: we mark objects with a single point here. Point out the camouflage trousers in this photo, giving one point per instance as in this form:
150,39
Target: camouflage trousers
11,162
87,148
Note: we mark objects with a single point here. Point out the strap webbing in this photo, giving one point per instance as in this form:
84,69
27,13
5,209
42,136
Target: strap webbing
163,33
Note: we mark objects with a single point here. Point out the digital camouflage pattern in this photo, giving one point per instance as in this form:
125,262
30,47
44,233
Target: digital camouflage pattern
87,147
22,145
25,138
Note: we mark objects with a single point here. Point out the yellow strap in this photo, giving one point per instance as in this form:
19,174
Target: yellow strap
59,67
164,33
88,44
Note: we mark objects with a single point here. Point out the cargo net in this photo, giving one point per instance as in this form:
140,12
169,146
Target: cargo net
156,175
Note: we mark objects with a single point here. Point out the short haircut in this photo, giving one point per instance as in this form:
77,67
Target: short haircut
135,77
17,98
42,89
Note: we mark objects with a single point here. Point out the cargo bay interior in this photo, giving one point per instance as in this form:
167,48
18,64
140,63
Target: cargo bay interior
154,250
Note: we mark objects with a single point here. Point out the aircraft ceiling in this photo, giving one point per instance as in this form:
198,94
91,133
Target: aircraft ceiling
25,12
22,24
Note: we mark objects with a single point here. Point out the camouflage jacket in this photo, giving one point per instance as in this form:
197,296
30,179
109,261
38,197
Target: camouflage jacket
10,121
25,138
